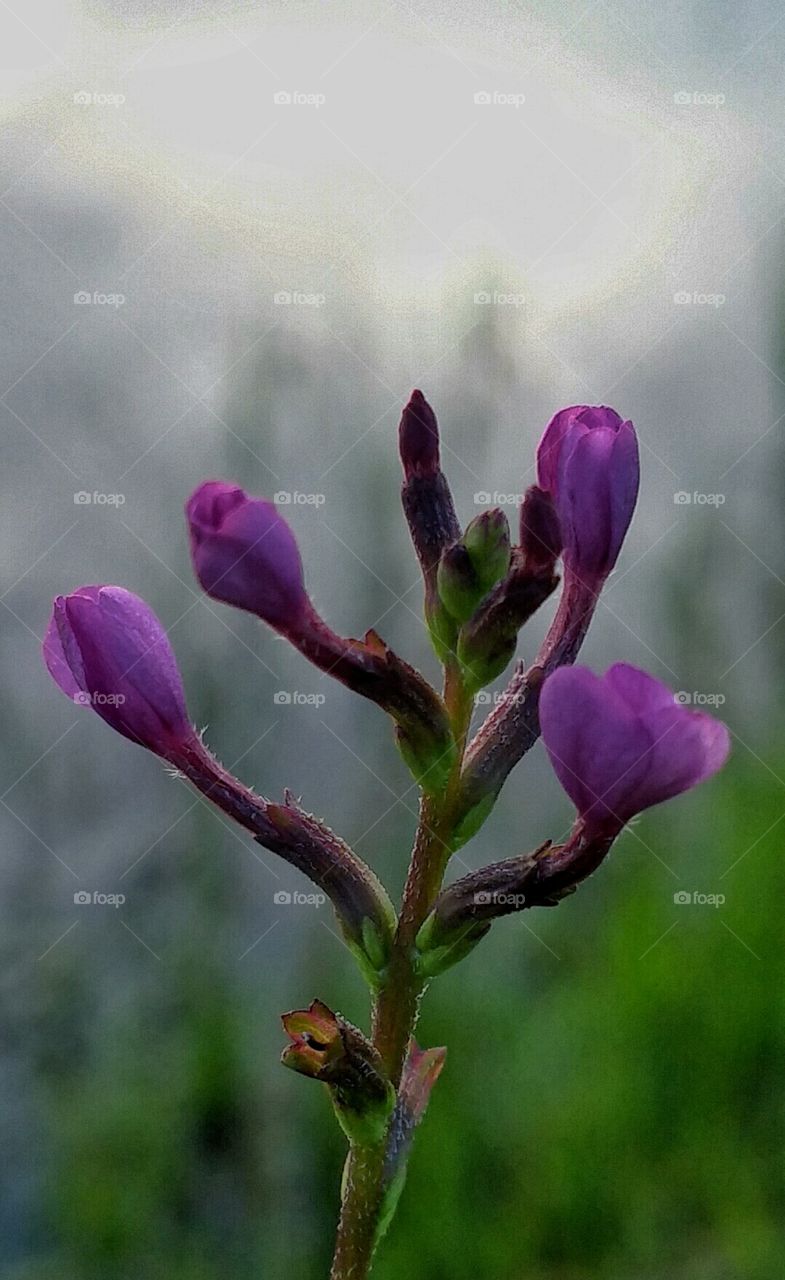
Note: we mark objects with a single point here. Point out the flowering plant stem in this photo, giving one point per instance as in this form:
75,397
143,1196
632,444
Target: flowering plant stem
397,1003
618,744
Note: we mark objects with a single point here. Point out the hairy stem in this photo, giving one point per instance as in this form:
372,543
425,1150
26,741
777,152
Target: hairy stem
397,1004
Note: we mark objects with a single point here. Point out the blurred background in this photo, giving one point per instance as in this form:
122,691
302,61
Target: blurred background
234,237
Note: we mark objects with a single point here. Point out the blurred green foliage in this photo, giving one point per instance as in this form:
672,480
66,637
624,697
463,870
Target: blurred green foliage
612,1104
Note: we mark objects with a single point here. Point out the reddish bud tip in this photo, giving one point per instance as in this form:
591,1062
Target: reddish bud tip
418,437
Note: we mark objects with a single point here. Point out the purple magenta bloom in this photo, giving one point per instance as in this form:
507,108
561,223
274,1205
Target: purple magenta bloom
245,554
587,461
106,649
619,743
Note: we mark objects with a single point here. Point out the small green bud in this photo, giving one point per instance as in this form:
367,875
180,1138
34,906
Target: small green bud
469,569
487,540
459,586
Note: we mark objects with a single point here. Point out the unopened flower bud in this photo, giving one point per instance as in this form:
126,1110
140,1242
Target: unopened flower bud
469,569
245,554
487,540
459,587
486,644
106,649
587,461
429,510
418,437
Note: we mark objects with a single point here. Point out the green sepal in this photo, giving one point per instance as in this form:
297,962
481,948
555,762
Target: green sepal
436,955
471,822
431,764
392,1194
372,975
374,944
442,629
483,658
371,952
367,1127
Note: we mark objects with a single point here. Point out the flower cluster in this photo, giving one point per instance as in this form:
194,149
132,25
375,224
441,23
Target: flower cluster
618,743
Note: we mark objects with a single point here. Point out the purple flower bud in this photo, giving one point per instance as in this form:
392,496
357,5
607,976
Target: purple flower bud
619,743
106,649
245,554
418,437
587,461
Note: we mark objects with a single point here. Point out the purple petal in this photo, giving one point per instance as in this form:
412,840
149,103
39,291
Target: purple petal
584,498
641,692
624,485
211,502
549,448
688,747
61,654
619,744
597,748
588,462
585,417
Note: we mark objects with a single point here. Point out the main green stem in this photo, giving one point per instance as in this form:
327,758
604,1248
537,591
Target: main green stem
397,1004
